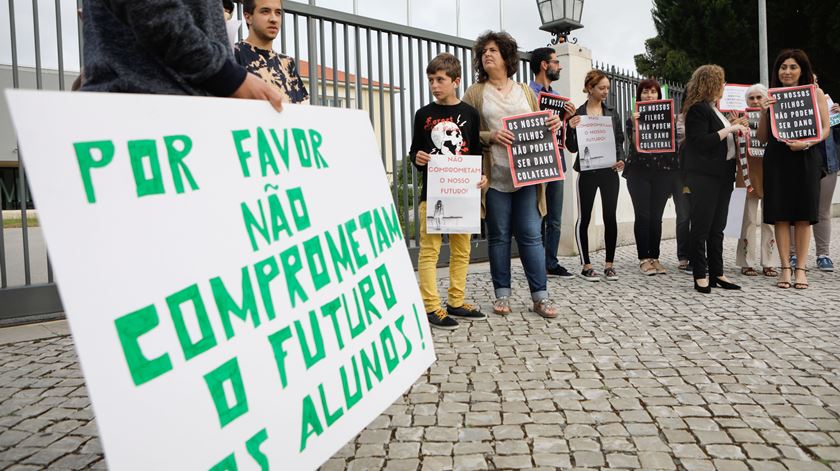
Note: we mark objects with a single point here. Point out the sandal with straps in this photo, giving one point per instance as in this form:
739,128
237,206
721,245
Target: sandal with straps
501,305
749,271
783,284
545,308
799,285
769,271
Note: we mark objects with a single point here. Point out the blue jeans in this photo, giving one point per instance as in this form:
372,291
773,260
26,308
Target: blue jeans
515,214
554,201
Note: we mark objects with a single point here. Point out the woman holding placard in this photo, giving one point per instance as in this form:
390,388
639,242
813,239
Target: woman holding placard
709,152
746,249
597,86
650,179
508,211
792,167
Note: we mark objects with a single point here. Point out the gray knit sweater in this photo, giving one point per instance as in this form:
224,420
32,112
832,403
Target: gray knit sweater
177,47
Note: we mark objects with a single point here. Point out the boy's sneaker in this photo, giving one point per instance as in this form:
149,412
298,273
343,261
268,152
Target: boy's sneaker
589,274
610,274
560,271
824,263
439,319
467,311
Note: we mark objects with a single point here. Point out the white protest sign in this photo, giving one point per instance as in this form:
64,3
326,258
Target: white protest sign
596,142
235,279
453,199
734,97
735,217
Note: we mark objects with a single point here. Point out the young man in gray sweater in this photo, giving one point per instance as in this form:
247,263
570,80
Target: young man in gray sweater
174,47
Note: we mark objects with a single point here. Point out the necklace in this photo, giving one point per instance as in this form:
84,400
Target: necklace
502,86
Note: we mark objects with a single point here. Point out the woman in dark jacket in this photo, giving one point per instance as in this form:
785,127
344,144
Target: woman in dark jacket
710,174
650,179
597,85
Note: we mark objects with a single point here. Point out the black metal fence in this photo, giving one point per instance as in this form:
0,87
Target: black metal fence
347,61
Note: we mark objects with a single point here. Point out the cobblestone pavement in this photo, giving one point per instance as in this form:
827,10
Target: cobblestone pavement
638,373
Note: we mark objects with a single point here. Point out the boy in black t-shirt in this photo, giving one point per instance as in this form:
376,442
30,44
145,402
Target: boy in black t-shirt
446,126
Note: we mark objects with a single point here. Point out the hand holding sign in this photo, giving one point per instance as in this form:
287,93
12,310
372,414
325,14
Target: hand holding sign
655,132
795,115
533,153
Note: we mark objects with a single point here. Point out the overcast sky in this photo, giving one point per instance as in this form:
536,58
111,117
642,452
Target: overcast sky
615,30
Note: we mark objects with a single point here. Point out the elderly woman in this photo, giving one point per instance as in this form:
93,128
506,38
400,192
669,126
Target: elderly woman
745,252
710,172
508,211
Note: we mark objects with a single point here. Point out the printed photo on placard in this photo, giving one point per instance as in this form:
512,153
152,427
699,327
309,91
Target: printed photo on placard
734,97
556,104
655,130
795,115
754,147
453,201
534,156
596,142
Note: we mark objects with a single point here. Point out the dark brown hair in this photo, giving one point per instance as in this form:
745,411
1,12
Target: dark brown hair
807,75
449,64
648,83
507,49
593,77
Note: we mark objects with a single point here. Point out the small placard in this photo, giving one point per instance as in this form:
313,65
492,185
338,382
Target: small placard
534,157
734,97
556,104
795,115
596,141
754,147
655,127
453,201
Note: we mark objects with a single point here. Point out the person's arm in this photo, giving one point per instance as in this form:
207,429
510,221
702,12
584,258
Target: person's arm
167,30
471,98
697,125
417,143
620,155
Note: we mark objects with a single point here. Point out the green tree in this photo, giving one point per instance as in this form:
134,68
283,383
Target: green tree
691,33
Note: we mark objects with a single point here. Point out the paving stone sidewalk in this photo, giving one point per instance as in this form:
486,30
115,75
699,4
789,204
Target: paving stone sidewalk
642,373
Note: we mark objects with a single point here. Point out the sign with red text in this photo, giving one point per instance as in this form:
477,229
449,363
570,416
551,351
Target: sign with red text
596,143
236,279
734,97
453,199
795,115
556,104
655,130
534,155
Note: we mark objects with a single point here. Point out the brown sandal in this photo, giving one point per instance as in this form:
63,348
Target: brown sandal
750,271
800,285
769,271
783,284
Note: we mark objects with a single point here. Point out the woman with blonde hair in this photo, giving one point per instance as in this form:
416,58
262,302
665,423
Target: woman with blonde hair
710,174
597,86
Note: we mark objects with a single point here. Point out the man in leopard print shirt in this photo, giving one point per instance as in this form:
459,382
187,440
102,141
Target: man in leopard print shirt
256,54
